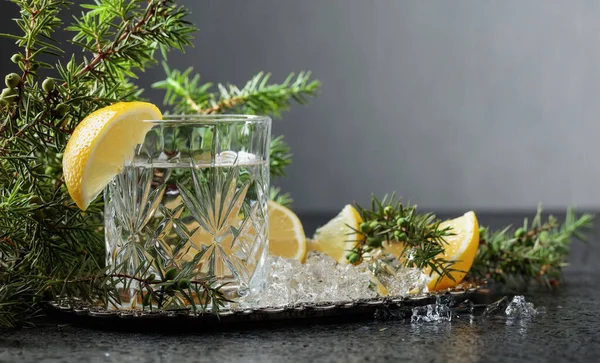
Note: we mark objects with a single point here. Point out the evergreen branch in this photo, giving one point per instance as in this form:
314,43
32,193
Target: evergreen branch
185,94
536,252
121,35
38,20
389,222
280,156
90,283
259,97
48,247
46,242
281,198
122,48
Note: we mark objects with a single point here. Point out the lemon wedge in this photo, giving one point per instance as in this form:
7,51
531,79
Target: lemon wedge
461,248
311,245
286,234
101,145
336,238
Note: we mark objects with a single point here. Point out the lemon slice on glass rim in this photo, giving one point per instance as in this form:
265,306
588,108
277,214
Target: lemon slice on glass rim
101,145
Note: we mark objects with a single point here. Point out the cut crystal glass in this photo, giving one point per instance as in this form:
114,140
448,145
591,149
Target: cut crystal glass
197,188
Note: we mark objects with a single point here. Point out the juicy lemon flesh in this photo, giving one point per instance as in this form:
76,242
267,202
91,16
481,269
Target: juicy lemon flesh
336,238
102,144
311,245
461,248
286,234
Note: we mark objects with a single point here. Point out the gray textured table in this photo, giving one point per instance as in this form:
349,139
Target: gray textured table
569,331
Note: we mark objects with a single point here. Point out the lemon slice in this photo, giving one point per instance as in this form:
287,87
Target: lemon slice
101,145
312,245
460,248
286,234
335,238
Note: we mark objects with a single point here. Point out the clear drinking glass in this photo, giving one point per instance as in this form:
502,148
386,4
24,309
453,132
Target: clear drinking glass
197,185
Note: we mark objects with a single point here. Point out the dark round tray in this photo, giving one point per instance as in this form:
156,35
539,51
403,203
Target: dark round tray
164,320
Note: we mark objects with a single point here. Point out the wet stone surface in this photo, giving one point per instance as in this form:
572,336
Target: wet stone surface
568,330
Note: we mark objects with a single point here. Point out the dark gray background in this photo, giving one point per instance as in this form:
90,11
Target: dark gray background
455,104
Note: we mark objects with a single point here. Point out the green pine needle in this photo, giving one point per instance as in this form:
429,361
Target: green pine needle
280,156
186,94
281,198
48,247
389,221
533,252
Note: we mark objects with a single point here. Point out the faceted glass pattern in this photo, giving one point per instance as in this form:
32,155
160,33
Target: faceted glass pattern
197,187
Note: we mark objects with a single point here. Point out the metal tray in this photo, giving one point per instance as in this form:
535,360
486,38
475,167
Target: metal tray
179,320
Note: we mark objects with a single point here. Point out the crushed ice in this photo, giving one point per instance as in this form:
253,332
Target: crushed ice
431,313
520,308
444,310
320,279
515,308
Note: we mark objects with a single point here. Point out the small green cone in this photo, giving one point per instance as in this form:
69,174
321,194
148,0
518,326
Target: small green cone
35,200
400,236
8,95
388,211
48,85
183,284
365,228
12,80
61,109
16,58
146,300
353,257
171,274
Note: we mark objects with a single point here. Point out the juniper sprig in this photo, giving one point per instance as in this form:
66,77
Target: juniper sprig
390,221
50,249
536,251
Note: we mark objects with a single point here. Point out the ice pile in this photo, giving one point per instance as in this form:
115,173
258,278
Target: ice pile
320,279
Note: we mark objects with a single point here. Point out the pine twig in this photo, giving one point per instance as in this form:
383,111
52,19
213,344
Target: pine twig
389,221
280,156
281,198
116,44
258,96
536,252
44,239
186,94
